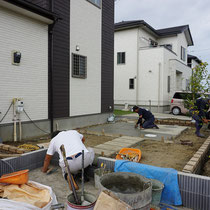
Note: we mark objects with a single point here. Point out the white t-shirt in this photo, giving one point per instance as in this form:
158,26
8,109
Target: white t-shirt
72,141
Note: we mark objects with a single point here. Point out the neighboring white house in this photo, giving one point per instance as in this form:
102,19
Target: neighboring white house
150,65
193,61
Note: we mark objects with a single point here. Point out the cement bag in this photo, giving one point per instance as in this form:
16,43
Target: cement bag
28,196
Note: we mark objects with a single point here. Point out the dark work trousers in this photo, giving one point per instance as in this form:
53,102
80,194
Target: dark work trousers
198,123
149,123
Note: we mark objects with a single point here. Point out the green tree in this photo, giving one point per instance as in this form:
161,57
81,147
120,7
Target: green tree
199,84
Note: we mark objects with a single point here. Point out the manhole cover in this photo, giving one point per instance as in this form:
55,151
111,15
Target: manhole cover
150,135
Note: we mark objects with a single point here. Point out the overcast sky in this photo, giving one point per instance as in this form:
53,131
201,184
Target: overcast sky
169,13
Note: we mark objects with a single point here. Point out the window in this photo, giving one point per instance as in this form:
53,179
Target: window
153,43
187,84
96,2
121,58
183,53
131,83
79,66
169,84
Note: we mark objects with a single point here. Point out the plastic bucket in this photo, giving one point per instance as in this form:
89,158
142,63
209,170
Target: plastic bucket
87,197
157,188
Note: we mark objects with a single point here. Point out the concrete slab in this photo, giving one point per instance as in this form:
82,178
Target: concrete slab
161,116
109,147
122,144
127,129
127,140
105,152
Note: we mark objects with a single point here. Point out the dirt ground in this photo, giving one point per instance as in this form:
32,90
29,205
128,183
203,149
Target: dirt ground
157,153
171,155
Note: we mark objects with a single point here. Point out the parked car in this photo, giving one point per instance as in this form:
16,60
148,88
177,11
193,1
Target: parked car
177,102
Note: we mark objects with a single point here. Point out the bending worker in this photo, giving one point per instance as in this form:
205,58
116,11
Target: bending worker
73,143
199,114
148,117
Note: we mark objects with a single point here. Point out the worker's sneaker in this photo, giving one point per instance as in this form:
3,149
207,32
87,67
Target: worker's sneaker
157,127
200,135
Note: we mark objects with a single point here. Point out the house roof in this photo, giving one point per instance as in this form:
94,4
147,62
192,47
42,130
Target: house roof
24,4
192,57
124,25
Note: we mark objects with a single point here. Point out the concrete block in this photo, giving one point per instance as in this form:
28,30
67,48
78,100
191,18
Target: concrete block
109,147
192,163
194,159
197,156
122,144
185,171
104,152
188,168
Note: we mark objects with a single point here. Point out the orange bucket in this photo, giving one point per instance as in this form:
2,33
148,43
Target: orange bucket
129,151
18,177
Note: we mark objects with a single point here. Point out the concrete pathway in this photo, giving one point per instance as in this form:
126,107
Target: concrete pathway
112,147
160,116
127,129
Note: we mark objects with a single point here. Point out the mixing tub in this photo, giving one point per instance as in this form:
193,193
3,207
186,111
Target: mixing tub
131,188
71,204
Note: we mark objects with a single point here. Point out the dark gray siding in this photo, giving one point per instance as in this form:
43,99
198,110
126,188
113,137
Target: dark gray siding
107,77
61,39
42,3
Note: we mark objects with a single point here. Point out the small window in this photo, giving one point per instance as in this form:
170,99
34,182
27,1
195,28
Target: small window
131,83
79,66
121,58
169,84
183,53
96,2
153,43
187,84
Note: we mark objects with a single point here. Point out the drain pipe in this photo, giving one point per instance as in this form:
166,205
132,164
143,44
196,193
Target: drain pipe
159,70
51,107
137,70
15,120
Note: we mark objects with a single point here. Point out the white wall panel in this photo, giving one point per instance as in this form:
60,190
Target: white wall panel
29,80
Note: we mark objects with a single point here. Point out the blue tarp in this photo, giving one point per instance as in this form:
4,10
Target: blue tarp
168,176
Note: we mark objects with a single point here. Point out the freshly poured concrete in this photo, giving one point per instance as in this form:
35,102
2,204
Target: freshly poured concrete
127,129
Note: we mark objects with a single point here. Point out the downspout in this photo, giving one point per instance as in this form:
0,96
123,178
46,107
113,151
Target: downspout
51,107
137,70
159,70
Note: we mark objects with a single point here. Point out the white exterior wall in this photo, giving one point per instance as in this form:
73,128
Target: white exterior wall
29,80
85,31
170,40
182,41
150,83
125,41
194,63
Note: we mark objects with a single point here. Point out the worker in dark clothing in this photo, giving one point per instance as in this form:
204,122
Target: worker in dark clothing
199,114
148,117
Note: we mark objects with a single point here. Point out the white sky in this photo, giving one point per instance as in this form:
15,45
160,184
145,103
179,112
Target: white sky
170,13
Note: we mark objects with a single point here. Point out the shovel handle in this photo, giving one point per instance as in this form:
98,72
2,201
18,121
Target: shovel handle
63,151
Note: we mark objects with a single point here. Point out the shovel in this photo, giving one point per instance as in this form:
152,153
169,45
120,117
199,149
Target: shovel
63,151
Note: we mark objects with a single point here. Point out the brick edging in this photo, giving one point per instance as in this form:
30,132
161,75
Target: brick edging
195,162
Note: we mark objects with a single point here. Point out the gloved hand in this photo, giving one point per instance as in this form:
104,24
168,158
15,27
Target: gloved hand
136,126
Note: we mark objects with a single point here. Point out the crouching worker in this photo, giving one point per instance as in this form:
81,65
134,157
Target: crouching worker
73,143
148,117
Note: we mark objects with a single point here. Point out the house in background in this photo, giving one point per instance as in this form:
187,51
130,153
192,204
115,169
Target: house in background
150,65
193,61
57,60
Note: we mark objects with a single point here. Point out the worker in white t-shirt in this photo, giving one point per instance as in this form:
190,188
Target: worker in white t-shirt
73,143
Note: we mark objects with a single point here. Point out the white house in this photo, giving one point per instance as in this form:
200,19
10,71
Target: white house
150,65
57,62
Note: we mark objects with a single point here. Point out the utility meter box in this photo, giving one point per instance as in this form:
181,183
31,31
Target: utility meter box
19,106
16,56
